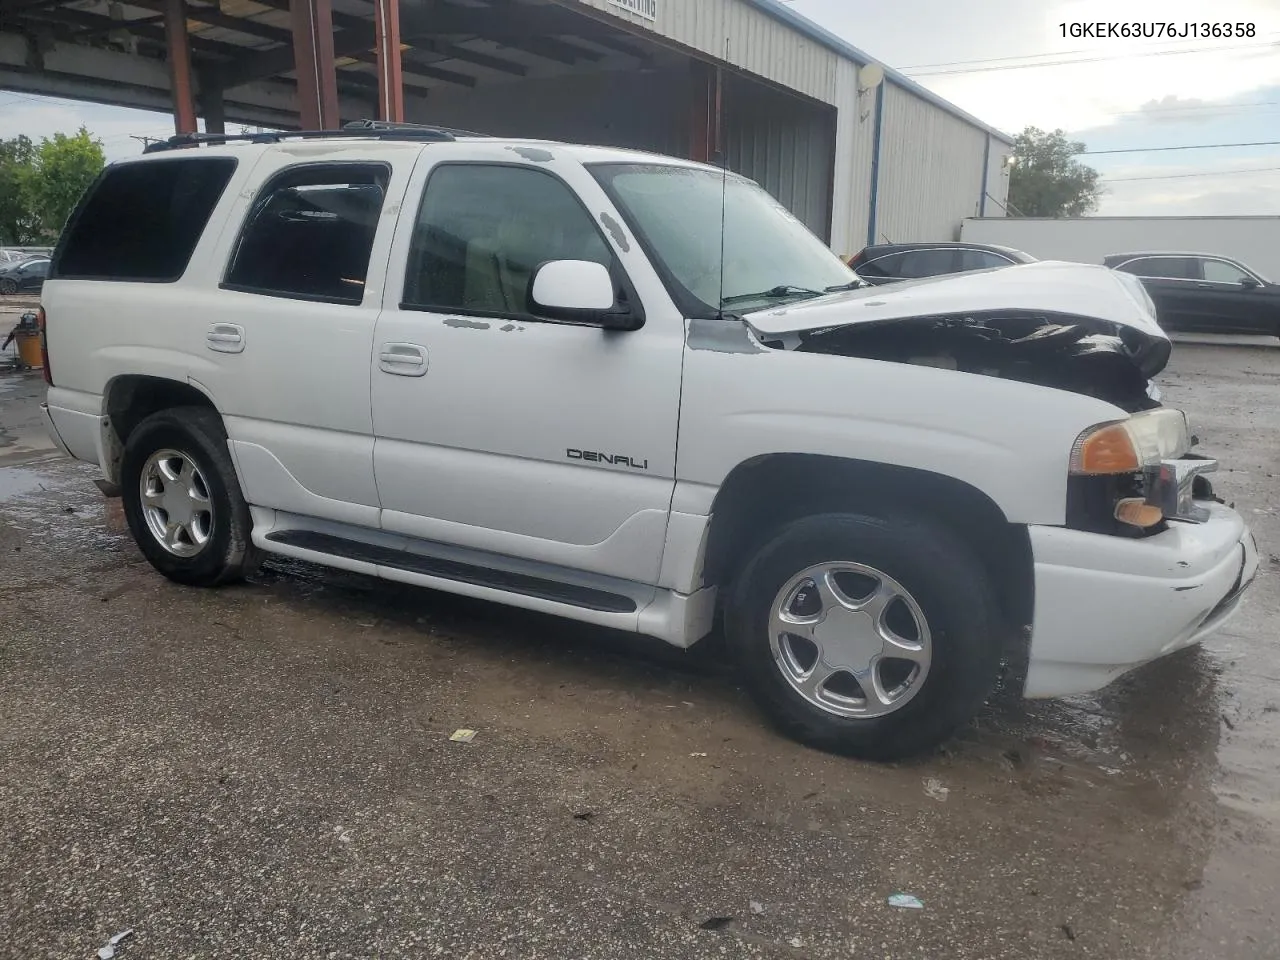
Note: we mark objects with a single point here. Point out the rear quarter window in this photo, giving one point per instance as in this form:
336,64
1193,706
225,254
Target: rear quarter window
142,221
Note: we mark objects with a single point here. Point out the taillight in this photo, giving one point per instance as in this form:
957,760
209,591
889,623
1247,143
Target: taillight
44,346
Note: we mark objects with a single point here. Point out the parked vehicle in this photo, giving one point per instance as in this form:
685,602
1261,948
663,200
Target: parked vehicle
582,398
890,262
20,275
1205,293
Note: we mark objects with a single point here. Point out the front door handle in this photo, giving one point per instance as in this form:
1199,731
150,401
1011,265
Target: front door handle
225,338
403,359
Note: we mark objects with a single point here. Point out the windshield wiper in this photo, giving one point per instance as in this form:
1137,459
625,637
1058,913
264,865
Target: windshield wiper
774,293
851,285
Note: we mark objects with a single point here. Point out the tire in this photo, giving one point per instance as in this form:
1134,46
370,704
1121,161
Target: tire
189,443
8,285
935,580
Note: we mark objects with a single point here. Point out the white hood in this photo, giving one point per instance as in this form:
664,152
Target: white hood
1066,289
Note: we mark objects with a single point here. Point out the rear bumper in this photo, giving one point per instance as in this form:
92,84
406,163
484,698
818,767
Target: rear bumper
51,429
74,422
1105,605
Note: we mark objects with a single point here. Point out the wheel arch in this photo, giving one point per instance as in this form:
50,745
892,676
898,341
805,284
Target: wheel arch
128,399
762,494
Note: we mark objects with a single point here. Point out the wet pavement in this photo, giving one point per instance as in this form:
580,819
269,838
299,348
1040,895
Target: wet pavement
265,771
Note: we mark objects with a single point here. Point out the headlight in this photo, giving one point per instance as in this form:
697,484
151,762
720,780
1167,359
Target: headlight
1130,445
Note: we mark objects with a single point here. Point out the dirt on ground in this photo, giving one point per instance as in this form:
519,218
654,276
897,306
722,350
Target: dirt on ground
266,771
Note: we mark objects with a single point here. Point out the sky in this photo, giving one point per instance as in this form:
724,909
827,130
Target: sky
1008,63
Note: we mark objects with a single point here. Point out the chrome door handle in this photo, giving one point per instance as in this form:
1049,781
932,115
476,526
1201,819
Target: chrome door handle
225,338
403,359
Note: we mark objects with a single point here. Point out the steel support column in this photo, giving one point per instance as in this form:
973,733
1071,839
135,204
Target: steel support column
215,113
312,22
178,52
386,18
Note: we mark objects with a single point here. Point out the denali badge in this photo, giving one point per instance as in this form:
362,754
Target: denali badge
594,457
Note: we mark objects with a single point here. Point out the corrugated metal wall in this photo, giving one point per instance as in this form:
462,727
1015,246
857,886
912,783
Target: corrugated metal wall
931,170
783,143
756,41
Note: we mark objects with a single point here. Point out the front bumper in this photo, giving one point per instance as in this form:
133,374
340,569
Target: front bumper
1104,604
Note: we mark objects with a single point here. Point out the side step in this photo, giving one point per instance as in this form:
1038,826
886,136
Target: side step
588,598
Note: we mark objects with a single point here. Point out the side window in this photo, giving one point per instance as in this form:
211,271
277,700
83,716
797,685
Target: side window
1219,271
483,229
142,220
981,260
927,263
309,233
1162,268
40,268
890,266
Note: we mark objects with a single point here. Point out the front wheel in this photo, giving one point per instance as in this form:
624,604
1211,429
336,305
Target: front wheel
871,636
183,501
8,285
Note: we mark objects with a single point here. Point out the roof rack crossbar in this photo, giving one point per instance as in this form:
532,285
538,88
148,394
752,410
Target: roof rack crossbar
370,129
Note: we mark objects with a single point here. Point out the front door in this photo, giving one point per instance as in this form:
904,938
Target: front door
1223,299
501,430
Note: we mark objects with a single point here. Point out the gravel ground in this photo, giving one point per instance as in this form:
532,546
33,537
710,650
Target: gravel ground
265,771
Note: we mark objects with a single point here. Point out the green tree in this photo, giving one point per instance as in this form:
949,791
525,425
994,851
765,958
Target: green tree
64,168
18,223
1047,180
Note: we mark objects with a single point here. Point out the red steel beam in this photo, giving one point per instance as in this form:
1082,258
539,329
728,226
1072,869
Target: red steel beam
312,22
178,50
386,20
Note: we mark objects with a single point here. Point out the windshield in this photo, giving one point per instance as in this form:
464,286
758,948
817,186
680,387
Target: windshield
769,255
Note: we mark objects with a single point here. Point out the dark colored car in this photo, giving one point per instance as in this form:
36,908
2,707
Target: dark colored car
889,262
23,274
1205,293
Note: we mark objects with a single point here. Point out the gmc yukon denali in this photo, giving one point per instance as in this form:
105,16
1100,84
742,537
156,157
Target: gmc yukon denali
546,375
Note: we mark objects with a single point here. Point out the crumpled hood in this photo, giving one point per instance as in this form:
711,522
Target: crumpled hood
1095,297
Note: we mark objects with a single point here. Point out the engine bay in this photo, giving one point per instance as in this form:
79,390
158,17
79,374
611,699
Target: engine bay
1064,353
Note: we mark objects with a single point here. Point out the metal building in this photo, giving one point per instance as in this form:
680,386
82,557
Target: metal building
859,155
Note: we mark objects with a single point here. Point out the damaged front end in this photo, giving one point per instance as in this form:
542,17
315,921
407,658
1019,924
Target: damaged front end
1095,358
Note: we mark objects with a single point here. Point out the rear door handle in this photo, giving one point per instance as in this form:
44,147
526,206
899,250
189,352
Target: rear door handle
225,338
403,359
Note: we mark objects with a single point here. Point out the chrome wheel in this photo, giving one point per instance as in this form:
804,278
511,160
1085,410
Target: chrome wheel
850,640
175,503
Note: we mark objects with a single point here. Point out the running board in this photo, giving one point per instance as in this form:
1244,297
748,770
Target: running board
588,598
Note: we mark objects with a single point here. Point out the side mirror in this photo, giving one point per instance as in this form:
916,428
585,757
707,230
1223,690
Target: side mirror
1248,283
579,291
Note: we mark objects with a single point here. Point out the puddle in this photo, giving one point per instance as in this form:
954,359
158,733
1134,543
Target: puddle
16,482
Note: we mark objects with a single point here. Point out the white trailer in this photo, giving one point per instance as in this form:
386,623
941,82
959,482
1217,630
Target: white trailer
1254,241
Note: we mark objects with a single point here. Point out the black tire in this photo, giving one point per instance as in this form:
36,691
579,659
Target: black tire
947,581
8,285
198,433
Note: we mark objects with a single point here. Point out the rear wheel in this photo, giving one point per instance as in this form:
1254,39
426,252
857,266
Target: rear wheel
183,501
871,636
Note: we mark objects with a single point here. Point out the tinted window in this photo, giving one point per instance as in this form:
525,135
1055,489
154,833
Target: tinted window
481,231
927,263
36,268
141,221
890,266
1219,271
310,232
981,260
1175,268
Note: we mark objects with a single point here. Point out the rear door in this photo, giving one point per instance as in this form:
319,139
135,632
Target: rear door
286,339
1169,280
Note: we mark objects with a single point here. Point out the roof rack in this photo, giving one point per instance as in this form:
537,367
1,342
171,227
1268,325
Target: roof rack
372,129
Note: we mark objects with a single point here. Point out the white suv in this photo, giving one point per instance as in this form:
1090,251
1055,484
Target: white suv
546,375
